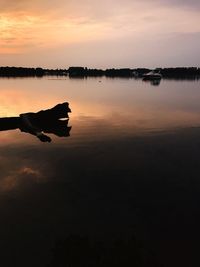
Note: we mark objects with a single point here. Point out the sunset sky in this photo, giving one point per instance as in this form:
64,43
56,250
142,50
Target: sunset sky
101,34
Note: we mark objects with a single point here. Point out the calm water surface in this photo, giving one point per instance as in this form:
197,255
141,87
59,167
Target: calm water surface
129,166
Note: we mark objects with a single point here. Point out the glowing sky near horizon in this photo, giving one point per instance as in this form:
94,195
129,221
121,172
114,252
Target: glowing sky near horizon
102,34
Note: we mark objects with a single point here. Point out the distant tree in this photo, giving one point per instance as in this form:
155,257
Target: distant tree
76,71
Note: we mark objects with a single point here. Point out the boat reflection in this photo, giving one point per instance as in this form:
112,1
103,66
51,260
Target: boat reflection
38,124
154,82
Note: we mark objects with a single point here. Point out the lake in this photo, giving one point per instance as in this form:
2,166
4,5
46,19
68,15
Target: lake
130,167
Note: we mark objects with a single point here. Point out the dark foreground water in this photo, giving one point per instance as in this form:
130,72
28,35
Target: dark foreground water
129,169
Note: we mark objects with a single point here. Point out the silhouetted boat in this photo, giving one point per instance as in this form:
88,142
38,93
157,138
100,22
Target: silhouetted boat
152,75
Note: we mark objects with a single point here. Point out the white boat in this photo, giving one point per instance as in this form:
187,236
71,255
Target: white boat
152,75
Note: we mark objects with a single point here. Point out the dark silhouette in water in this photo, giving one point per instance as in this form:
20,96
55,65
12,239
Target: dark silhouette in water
47,121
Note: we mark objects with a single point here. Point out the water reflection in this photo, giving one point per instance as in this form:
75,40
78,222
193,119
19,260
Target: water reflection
44,121
154,82
108,179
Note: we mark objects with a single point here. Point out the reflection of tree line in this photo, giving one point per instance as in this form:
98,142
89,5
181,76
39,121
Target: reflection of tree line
176,73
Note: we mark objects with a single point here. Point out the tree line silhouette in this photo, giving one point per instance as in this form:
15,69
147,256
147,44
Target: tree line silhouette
73,72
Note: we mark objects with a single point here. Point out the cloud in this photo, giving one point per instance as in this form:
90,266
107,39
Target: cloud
192,4
35,28
23,6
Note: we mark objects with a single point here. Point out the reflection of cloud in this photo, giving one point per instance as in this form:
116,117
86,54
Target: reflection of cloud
23,177
29,171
